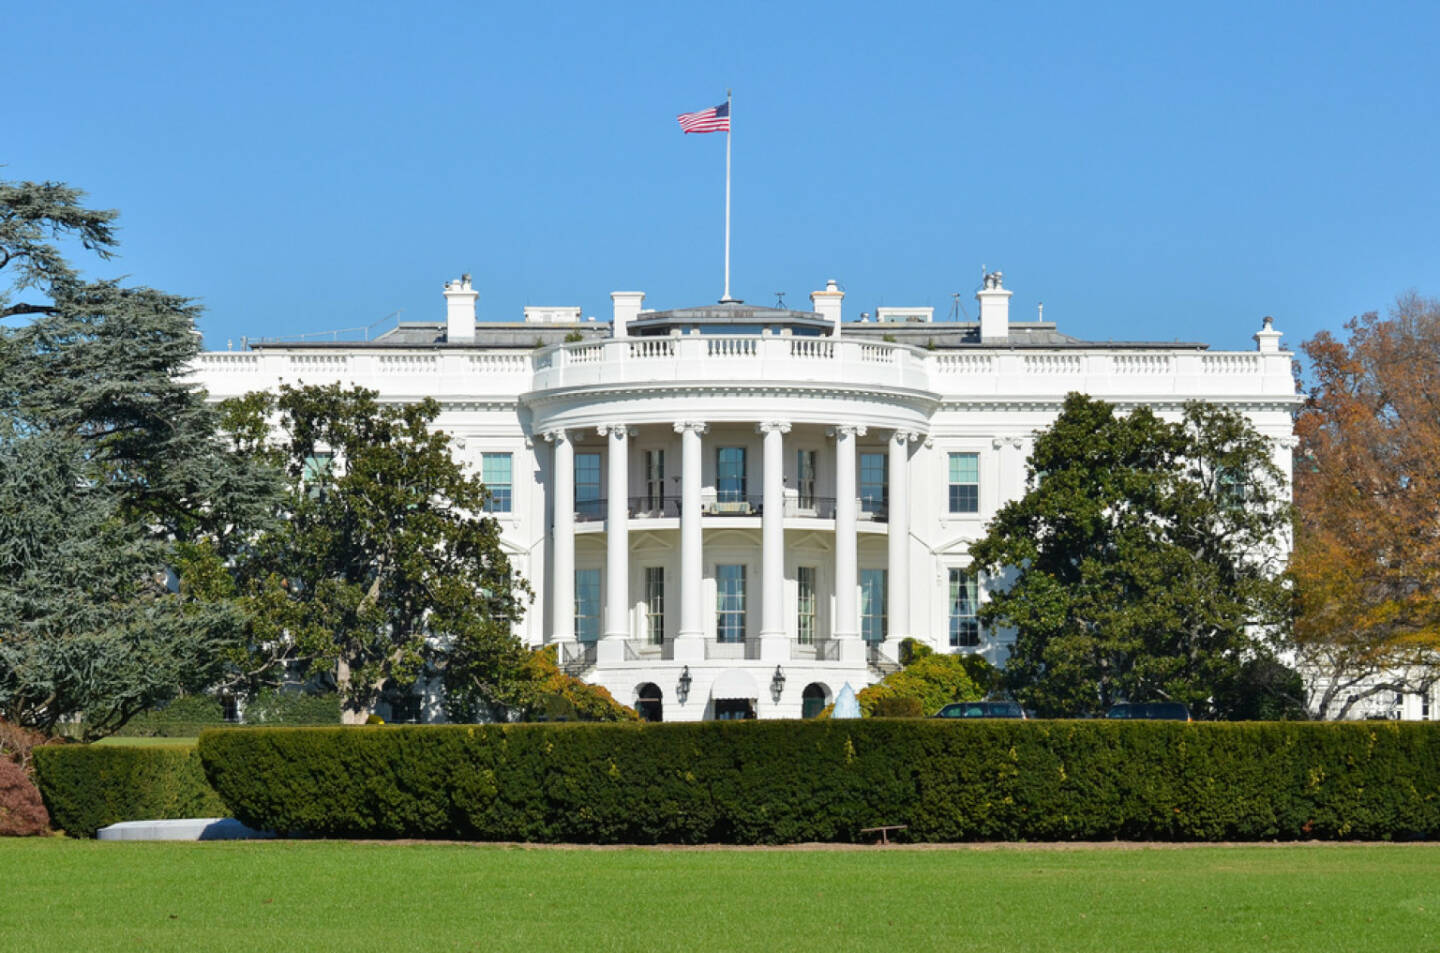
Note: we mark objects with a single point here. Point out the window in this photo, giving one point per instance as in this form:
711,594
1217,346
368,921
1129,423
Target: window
495,473
317,471
587,485
872,483
733,709
1232,486
964,624
1425,706
805,478
655,604
872,605
964,482
587,605
805,605
730,603
654,480
730,475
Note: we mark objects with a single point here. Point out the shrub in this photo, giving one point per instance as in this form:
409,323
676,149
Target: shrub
935,680
17,744
87,787
784,782
183,717
899,706
21,812
274,707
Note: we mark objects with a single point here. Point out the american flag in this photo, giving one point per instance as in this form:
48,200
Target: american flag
714,119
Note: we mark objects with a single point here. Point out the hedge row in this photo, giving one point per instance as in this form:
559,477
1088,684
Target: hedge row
86,787
187,716
786,782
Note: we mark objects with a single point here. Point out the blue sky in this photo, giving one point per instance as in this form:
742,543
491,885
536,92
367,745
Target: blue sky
1148,171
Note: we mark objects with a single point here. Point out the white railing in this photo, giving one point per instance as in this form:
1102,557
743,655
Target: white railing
1140,364
740,359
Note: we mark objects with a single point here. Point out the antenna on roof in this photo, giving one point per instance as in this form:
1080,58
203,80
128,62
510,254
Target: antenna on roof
957,309
780,300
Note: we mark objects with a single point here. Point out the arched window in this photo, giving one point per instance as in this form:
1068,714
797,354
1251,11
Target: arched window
648,702
813,700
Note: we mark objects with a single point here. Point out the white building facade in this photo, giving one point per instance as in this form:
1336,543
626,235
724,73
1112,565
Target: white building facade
733,511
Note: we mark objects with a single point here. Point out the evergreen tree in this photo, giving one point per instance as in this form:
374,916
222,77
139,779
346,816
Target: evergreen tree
385,566
1143,563
113,482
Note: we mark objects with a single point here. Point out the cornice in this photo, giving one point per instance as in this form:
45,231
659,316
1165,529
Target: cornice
722,389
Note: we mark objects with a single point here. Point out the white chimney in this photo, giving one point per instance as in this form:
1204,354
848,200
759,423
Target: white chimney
627,308
827,303
460,311
1267,338
994,308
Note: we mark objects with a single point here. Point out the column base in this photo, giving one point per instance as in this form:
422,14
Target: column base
689,648
852,649
609,651
774,648
890,648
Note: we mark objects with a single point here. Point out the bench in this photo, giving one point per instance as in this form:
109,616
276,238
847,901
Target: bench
884,831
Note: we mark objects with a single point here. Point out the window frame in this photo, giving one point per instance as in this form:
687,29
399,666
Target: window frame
654,605
587,598
874,623
970,636
956,496
730,606
733,494
499,502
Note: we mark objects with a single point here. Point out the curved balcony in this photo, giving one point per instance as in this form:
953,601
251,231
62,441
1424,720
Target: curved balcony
707,358
669,507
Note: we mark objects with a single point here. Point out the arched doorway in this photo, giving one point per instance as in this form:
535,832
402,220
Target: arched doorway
813,700
648,702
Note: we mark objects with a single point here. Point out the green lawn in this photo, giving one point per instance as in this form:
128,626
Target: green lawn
318,896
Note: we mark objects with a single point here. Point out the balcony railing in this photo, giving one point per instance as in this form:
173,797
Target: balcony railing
748,649
670,507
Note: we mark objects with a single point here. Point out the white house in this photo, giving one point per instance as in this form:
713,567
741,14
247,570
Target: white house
731,510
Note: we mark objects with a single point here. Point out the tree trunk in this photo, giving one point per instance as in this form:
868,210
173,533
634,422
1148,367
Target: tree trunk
350,713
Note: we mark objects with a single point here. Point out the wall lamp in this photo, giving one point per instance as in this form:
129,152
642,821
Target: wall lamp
682,688
777,684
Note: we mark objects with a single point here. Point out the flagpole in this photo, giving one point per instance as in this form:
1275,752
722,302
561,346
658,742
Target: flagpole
728,126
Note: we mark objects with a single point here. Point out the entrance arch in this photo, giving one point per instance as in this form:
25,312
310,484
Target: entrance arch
649,702
813,700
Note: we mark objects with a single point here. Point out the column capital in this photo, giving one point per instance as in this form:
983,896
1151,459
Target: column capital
904,437
1016,442
846,430
559,435
768,426
620,430
697,426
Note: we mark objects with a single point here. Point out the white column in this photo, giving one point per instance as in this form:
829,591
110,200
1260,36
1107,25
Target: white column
774,645
562,540
847,583
617,545
690,639
897,576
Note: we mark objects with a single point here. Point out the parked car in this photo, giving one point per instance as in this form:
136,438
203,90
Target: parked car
1150,711
981,710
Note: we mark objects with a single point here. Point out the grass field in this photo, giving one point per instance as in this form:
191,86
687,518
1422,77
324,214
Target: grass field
322,896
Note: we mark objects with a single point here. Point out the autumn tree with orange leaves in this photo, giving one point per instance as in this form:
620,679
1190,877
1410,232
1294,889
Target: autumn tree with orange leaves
1366,564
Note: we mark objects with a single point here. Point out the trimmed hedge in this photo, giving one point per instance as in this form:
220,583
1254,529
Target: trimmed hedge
86,787
785,782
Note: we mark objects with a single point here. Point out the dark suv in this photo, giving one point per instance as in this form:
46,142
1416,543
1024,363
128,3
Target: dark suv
981,710
1150,711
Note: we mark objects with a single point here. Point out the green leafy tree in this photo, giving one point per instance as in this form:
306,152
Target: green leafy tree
385,566
1143,562
113,482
